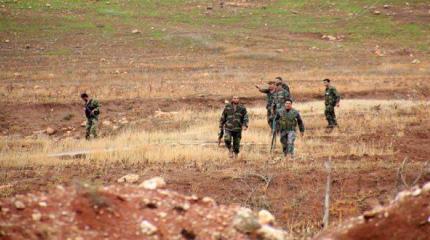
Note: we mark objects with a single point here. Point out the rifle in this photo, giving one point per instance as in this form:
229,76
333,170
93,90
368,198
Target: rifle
274,130
220,135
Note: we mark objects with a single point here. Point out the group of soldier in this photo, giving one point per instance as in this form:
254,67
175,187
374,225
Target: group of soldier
282,118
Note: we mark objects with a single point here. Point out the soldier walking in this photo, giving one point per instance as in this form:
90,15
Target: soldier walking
289,118
269,97
233,120
332,99
283,84
280,95
92,111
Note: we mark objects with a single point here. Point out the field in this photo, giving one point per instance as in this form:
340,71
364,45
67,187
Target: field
162,71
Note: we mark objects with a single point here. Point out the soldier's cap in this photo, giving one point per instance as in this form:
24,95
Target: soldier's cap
84,95
326,80
279,78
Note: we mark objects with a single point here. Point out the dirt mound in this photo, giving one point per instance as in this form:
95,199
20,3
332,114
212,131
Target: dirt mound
128,212
407,217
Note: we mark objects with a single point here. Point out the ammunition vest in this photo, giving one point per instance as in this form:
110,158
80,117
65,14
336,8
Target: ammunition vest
288,120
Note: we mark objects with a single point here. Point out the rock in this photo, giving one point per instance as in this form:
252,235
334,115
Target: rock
269,233
376,12
107,123
329,38
416,61
129,178
48,5
7,41
147,228
37,216
386,6
153,183
416,192
265,217
401,196
50,131
19,205
135,31
426,187
245,221
84,123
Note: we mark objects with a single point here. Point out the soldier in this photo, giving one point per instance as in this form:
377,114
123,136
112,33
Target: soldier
234,118
279,97
332,99
288,119
269,92
284,85
92,111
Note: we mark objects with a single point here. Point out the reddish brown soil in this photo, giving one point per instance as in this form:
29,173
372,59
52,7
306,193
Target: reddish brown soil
406,218
115,212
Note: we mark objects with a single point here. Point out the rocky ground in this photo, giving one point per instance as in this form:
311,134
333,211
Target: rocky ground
407,217
146,211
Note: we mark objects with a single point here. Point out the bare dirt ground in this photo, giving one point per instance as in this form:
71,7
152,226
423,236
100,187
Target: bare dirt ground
49,55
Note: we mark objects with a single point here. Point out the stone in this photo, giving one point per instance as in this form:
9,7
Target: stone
401,196
426,187
269,233
376,12
245,221
386,6
129,178
83,124
135,31
19,205
50,131
48,5
148,228
265,217
416,61
153,183
36,216
329,37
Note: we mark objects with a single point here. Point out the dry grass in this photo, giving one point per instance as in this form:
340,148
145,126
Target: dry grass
196,142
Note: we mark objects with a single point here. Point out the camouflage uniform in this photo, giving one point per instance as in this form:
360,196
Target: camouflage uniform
279,98
233,118
92,111
288,121
269,97
332,97
269,102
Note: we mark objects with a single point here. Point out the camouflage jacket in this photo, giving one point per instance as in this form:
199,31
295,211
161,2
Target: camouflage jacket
269,95
233,118
279,98
332,97
92,109
289,120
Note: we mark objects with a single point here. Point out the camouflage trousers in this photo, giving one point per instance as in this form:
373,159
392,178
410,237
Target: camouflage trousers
91,128
330,116
230,136
287,141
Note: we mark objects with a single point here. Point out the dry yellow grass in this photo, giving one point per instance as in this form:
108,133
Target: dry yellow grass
196,144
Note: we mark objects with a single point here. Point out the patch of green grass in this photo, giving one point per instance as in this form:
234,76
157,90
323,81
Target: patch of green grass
59,52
